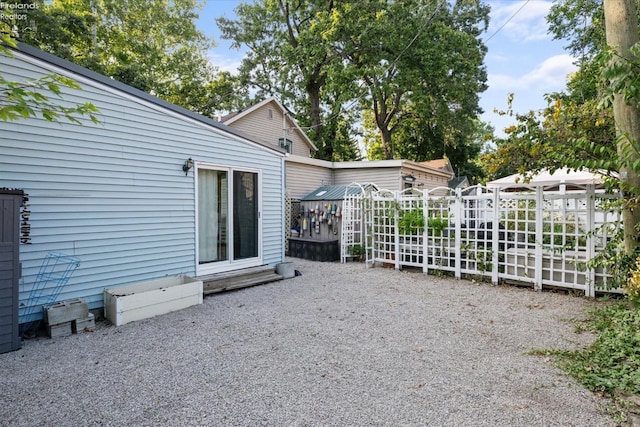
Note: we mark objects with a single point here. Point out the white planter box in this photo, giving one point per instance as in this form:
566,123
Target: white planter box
143,300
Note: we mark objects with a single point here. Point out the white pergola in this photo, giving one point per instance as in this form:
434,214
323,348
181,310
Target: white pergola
544,178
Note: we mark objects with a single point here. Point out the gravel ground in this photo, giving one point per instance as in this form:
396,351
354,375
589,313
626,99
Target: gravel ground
339,345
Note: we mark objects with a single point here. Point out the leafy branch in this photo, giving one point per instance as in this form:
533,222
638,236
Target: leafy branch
30,98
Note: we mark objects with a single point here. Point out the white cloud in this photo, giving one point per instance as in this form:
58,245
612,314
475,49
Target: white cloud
519,20
227,62
549,75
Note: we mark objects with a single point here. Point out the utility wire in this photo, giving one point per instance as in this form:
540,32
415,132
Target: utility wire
507,21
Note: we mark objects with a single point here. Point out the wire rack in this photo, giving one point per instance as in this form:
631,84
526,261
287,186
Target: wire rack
54,274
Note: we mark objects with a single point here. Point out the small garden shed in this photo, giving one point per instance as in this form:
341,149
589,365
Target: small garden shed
320,229
152,190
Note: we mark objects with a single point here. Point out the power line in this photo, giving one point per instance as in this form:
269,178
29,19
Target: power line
507,21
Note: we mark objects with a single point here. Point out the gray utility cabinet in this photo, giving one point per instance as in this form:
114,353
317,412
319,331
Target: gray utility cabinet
10,203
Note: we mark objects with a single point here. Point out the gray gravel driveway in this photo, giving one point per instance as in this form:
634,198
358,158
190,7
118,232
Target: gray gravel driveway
341,345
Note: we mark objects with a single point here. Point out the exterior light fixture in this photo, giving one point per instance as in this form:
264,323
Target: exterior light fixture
409,178
188,164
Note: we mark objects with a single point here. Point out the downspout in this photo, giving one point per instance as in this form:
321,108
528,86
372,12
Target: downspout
283,205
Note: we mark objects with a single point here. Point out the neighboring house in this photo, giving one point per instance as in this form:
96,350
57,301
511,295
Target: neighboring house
272,124
269,120
304,175
563,178
153,190
461,182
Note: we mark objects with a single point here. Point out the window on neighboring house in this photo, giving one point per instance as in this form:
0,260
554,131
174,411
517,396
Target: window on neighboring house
270,114
287,144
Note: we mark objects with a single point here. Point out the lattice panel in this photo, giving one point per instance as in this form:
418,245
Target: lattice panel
411,227
476,231
440,231
288,219
383,226
532,236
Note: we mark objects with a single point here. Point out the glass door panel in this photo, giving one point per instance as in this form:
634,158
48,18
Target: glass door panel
213,221
245,215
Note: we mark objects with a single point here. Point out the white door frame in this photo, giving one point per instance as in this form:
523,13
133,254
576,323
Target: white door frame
230,263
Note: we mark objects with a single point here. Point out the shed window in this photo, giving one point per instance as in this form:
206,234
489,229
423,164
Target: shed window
287,144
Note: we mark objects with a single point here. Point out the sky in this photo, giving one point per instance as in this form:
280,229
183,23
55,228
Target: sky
522,58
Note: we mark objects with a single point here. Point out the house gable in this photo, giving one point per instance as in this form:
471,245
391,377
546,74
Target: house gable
271,123
442,164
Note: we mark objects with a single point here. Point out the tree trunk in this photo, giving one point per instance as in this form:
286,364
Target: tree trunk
622,33
387,148
325,147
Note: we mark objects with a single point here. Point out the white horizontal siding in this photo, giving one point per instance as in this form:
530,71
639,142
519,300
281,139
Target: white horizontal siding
302,178
385,178
114,194
428,180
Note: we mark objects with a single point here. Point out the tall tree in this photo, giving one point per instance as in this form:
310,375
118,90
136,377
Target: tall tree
429,69
340,57
153,45
290,57
621,22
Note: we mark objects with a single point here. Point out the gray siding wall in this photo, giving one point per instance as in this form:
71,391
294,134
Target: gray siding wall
302,178
114,194
385,178
268,128
428,180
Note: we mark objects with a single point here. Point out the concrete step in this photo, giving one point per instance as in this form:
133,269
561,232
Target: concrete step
238,279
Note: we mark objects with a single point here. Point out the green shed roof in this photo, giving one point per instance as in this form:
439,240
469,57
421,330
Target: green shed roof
330,192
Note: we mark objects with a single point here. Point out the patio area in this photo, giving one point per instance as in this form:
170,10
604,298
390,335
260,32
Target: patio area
340,345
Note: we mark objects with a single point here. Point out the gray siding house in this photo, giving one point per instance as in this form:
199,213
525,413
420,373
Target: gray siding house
153,190
270,122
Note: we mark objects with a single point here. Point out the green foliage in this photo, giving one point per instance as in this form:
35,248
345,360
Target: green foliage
411,222
632,286
436,224
613,361
154,46
33,97
615,260
358,252
332,61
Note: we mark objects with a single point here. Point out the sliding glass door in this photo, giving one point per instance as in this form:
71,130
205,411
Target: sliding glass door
213,218
228,218
245,214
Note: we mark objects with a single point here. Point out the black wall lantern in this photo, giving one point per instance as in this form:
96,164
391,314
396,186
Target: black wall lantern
188,164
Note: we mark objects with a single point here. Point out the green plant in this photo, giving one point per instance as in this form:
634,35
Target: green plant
632,285
411,222
437,224
612,362
613,258
358,252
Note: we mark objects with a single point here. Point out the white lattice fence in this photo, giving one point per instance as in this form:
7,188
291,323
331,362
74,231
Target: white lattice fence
352,244
476,210
383,218
533,236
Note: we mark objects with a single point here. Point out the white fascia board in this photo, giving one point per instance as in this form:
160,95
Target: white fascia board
309,161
